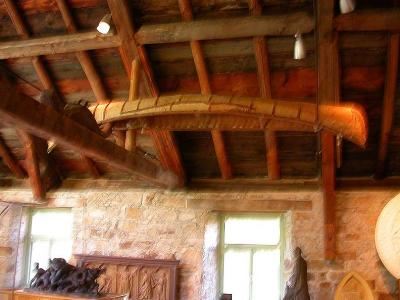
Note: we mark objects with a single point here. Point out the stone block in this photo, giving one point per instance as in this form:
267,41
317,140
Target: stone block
6,251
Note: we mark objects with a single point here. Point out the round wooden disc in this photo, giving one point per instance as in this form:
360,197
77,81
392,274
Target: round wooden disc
387,236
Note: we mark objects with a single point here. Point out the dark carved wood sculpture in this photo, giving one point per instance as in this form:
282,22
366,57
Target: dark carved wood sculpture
297,287
65,278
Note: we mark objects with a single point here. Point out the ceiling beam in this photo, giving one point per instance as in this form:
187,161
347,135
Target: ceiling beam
369,20
222,157
130,138
32,165
32,144
167,149
10,160
45,122
21,29
91,167
129,50
205,87
168,153
327,94
264,83
58,44
389,97
83,56
225,28
347,119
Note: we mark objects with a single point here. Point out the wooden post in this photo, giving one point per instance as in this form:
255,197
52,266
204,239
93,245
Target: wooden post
388,102
327,93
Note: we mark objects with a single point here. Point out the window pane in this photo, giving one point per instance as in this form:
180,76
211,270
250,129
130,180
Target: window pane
236,274
39,254
52,223
252,230
266,275
61,249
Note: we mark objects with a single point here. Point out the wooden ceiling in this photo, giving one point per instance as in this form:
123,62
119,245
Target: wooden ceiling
208,47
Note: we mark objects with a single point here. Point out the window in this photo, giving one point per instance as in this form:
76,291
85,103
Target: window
252,251
50,236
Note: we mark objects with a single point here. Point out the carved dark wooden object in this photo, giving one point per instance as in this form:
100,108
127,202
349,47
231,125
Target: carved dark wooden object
65,278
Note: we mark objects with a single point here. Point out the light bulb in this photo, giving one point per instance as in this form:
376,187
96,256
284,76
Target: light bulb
104,25
347,6
299,48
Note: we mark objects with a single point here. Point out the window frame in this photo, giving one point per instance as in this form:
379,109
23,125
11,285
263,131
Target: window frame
222,247
30,239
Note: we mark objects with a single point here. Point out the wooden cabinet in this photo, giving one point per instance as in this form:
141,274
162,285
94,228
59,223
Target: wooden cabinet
24,295
5,294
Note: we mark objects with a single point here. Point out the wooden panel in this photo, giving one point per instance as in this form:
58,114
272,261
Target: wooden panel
139,278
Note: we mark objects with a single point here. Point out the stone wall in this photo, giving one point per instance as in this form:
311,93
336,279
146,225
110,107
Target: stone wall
12,230
184,225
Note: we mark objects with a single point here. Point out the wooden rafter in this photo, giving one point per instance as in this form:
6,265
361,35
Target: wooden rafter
165,144
91,74
24,33
83,56
327,93
91,167
369,20
66,43
10,160
264,83
222,157
31,143
164,141
45,122
202,74
388,101
225,28
130,139
32,165
129,50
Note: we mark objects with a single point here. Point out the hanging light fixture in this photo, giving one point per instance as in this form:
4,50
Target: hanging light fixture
347,6
299,48
105,24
